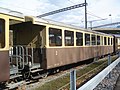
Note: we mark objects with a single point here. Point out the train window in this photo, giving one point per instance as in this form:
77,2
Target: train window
108,41
118,41
2,33
98,40
69,38
79,39
111,41
101,40
87,39
105,41
55,37
93,38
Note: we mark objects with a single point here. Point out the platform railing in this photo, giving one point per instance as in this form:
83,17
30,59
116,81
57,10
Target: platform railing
91,84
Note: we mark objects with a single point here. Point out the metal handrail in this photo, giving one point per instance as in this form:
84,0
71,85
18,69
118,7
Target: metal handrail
32,56
21,56
17,60
28,56
19,53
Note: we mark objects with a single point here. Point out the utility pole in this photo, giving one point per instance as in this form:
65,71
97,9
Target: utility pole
85,14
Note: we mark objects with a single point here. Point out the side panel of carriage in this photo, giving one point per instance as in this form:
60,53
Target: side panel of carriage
60,54
4,48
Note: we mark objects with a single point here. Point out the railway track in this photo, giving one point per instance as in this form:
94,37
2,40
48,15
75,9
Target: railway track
33,84
50,78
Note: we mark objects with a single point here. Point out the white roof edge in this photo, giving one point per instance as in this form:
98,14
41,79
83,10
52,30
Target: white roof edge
116,35
48,21
11,12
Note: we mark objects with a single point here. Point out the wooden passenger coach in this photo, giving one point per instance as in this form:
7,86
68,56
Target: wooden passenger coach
5,22
32,46
65,44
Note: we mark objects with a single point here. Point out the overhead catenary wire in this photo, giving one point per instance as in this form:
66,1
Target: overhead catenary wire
63,9
88,12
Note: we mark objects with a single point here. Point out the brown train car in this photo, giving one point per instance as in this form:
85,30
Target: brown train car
116,43
43,44
5,22
65,44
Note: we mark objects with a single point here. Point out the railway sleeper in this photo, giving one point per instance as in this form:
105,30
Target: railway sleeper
37,76
12,86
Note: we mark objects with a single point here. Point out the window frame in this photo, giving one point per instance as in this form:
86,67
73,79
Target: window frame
95,43
3,32
72,38
108,41
99,40
89,39
60,30
111,41
80,39
102,40
105,40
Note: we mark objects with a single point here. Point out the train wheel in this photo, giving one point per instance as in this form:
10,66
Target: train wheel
26,75
95,59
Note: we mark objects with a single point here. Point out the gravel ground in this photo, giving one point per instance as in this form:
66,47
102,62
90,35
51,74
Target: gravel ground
110,80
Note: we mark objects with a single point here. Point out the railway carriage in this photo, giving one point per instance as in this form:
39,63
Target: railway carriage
5,22
116,43
33,47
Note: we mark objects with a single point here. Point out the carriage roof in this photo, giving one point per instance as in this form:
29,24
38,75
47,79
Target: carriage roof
43,21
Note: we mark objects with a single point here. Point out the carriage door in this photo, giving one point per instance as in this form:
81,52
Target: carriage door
37,38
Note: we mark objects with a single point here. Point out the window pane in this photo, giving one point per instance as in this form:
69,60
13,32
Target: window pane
55,37
111,41
108,41
79,39
69,38
98,40
105,41
93,40
87,39
2,33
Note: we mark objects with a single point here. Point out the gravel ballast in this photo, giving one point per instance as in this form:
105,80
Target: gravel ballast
108,83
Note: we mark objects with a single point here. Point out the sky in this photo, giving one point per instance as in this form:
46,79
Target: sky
98,11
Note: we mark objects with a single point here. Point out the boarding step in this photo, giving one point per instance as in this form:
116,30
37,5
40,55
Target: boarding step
15,76
39,76
35,66
13,70
37,70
